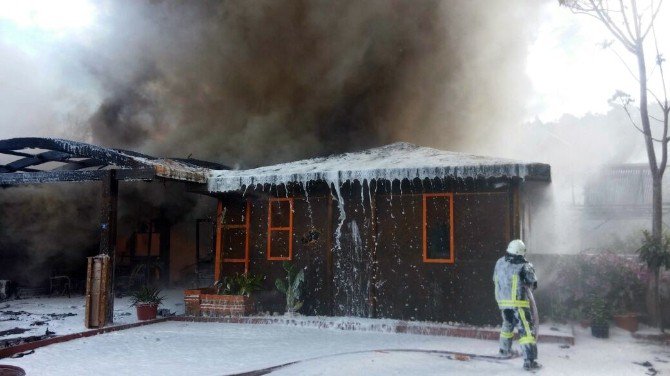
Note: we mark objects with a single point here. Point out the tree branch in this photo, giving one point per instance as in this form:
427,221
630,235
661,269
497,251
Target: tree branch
625,19
600,12
659,62
611,25
626,66
653,18
664,146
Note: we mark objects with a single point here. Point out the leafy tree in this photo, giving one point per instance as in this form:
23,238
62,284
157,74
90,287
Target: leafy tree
632,23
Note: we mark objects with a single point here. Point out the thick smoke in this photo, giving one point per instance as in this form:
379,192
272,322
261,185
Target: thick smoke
578,150
264,81
46,231
246,83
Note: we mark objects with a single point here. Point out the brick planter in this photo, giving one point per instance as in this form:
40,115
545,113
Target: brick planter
192,300
205,303
225,305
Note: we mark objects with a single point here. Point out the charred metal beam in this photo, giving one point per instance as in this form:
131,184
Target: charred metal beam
201,163
23,178
76,156
37,159
16,153
135,174
121,158
84,163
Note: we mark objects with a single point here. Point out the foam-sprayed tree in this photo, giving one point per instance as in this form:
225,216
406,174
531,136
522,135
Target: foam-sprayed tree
632,23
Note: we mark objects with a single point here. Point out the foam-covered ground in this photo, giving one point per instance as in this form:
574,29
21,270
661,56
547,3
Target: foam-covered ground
179,348
63,315
190,348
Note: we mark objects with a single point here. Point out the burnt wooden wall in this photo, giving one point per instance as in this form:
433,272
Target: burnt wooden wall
377,268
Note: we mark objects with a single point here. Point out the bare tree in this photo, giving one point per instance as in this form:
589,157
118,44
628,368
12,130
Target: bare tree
632,23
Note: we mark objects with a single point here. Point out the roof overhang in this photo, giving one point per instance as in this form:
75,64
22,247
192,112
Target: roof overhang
48,160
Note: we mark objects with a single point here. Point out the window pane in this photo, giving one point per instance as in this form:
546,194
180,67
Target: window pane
280,213
233,212
234,243
279,241
438,230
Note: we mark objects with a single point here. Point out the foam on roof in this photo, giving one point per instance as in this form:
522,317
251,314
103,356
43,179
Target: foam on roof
391,162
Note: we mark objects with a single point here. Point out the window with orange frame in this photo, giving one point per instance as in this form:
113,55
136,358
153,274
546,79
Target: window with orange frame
438,228
232,239
280,229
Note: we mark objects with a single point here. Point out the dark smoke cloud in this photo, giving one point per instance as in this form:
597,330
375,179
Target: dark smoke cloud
265,81
257,82
44,230
131,116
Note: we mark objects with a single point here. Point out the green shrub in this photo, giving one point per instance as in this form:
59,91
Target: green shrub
618,279
598,311
290,286
239,284
146,295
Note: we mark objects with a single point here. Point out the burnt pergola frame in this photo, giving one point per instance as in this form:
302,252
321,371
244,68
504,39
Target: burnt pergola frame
34,160
76,161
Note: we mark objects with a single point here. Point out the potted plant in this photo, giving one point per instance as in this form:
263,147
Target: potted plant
146,301
290,286
599,315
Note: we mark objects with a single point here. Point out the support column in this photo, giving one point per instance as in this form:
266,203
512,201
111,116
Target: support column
108,213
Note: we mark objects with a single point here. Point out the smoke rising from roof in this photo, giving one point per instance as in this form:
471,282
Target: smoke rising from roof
248,83
264,81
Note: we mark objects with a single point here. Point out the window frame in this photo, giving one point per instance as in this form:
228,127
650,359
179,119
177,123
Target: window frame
272,229
452,252
221,227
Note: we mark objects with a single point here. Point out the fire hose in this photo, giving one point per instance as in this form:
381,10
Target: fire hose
534,313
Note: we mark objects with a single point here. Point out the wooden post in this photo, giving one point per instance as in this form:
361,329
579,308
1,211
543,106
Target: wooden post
197,252
516,199
218,257
97,279
108,213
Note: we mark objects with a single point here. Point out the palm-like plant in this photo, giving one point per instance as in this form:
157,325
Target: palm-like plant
239,284
146,295
290,286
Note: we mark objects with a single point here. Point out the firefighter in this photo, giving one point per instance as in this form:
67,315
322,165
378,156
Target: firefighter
512,274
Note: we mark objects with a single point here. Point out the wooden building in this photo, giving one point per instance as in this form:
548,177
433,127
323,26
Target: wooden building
400,231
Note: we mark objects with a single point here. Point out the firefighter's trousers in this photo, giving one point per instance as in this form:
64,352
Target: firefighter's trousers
521,319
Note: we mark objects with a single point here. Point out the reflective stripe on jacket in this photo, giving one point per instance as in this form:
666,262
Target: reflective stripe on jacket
510,276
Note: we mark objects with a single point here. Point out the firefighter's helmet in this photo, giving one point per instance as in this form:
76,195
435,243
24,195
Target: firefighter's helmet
516,247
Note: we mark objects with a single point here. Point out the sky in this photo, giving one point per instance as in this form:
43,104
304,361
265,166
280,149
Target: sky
569,71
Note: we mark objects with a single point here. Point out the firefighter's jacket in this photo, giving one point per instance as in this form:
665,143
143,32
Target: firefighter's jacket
511,274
